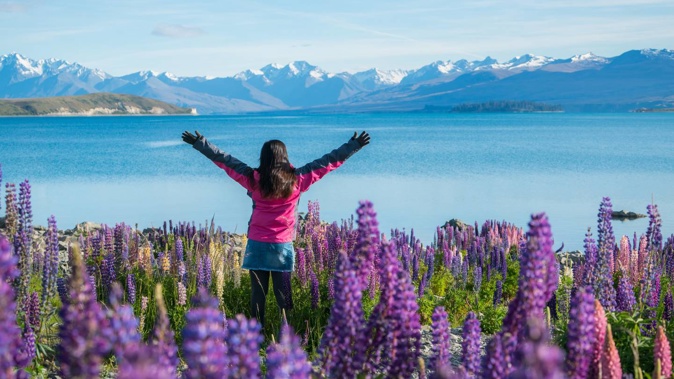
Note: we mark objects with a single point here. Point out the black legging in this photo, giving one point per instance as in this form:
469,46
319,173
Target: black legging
259,281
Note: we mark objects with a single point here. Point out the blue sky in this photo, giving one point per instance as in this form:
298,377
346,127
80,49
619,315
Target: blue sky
222,38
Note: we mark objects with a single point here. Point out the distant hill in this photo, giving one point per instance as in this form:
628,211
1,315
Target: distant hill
582,83
89,105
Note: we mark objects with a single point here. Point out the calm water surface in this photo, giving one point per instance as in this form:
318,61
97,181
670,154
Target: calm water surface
419,170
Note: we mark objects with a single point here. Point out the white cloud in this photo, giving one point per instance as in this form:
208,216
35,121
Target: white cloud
176,31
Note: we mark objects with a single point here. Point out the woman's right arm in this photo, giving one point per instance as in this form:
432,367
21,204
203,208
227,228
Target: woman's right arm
236,169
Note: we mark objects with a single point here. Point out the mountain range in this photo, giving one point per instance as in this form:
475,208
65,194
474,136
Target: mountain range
582,83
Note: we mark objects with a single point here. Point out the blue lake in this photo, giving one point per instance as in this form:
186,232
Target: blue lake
419,170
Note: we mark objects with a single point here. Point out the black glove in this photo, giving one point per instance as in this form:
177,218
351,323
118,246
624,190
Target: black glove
191,138
363,139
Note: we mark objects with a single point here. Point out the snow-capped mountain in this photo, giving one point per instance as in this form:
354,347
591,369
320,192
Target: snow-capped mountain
25,77
582,82
375,79
445,70
524,62
24,68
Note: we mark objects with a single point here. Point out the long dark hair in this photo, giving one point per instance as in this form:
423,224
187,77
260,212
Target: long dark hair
277,176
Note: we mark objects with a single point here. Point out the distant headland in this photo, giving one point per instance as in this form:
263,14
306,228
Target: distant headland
94,104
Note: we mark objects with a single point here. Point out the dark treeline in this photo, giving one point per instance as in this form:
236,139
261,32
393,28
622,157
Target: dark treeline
503,106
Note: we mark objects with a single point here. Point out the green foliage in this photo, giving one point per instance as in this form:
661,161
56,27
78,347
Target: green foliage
511,284
491,319
458,303
427,305
442,281
633,336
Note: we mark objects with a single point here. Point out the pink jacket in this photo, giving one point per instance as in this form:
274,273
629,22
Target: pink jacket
273,220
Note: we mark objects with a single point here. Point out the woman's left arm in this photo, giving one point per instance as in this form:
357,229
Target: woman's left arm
314,171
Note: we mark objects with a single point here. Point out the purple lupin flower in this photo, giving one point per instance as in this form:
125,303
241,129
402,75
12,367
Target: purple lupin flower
23,240
315,294
367,245
504,264
589,267
406,329
109,244
32,310
477,278
178,249
653,233
182,294
341,348
287,290
204,348
415,267
603,285
380,329
430,263
26,352
62,290
668,310
162,336
581,337
301,267
204,272
122,321
92,281
10,335
25,208
494,365
51,261
139,362
82,338
182,272
625,300
535,357
422,286
537,282
108,271
498,293
538,268
470,347
243,343
287,359
394,327
441,341
456,266
131,288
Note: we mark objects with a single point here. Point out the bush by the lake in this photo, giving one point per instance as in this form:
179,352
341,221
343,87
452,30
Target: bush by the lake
170,302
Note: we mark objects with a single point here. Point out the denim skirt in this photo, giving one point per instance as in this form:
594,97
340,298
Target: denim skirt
269,256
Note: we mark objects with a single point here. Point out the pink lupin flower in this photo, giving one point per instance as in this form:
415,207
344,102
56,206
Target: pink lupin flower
610,360
623,263
663,353
634,267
